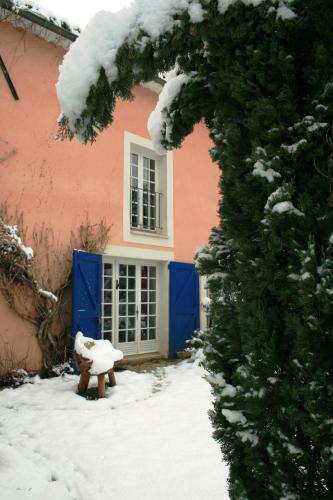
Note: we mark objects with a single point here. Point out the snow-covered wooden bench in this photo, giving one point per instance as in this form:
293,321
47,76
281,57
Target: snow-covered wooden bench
95,357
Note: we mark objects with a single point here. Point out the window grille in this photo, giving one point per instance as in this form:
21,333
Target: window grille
145,200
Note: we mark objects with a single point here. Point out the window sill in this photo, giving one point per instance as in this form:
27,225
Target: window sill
146,232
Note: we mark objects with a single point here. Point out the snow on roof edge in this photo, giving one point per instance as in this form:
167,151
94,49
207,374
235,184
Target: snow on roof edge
46,25
29,15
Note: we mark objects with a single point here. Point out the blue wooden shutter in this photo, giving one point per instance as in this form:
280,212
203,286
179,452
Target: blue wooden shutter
184,305
87,294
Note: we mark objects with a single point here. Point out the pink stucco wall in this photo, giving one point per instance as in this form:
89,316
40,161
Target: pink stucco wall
58,183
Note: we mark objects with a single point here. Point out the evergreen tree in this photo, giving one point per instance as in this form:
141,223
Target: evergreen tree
260,74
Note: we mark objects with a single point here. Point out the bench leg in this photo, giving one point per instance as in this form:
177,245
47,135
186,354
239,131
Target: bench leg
112,378
84,381
101,385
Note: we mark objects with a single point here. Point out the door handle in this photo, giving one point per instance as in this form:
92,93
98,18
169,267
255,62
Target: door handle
137,313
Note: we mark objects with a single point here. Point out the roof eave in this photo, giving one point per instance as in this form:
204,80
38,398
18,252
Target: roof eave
34,18
44,23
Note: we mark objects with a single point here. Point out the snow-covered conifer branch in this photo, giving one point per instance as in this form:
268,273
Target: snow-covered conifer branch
119,50
115,52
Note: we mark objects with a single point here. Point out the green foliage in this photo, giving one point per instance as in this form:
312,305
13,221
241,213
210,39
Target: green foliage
264,86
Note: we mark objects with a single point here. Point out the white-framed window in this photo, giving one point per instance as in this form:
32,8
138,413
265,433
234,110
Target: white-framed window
148,196
146,200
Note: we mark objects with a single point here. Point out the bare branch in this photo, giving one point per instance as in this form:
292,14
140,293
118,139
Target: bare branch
30,285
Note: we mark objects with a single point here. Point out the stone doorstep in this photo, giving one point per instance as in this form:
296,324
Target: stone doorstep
136,359
184,354
149,362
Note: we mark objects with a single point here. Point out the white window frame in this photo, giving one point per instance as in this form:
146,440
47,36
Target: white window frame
164,172
138,185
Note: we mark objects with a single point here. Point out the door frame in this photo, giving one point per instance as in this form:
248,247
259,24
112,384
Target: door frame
138,347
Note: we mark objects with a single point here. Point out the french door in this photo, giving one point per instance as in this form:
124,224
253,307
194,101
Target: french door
130,306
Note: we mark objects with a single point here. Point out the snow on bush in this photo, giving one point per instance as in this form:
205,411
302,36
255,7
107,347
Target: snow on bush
206,302
47,295
286,206
14,239
260,170
282,9
234,416
13,250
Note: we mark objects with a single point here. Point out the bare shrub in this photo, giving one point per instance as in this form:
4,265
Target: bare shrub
34,283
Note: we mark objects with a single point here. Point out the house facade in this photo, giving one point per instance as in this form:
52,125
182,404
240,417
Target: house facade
142,292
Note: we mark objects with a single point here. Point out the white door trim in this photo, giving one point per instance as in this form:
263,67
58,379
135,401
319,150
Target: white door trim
138,346
134,252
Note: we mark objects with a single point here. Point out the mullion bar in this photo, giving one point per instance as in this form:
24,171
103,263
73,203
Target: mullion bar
107,304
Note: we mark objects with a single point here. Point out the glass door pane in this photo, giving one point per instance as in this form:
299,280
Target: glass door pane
149,196
127,304
107,301
134,190
148,303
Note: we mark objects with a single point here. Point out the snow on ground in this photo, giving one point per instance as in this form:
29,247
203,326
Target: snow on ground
149,438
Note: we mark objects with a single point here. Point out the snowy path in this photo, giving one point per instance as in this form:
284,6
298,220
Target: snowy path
150,438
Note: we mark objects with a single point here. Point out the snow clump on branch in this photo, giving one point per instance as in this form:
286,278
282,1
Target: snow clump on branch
158,121
16,241
98,46
282,9
47,295
99,43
